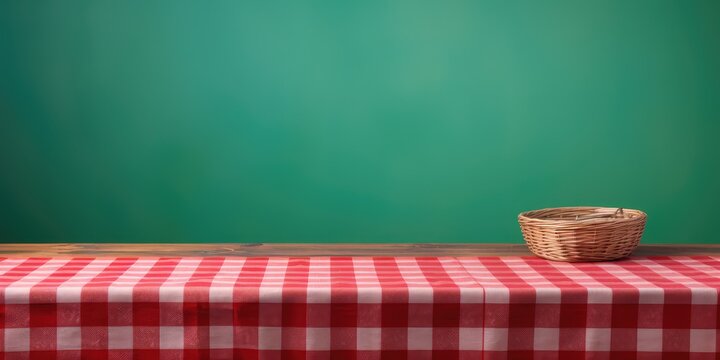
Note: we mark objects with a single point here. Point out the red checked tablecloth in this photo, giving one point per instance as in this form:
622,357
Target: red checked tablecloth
359,308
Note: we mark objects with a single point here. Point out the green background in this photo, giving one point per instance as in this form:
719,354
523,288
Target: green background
353,121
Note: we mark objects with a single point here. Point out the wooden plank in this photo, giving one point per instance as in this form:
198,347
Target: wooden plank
345,249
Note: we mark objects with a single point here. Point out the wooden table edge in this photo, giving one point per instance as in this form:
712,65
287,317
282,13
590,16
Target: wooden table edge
311,249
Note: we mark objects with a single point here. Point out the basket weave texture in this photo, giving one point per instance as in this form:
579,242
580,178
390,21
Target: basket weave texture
576,234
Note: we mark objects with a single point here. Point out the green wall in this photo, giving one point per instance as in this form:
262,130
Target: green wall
353,121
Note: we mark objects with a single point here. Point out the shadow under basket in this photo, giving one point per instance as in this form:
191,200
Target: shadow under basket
576,234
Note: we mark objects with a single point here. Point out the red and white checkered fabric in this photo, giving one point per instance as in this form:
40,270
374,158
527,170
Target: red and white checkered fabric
358,308
641,308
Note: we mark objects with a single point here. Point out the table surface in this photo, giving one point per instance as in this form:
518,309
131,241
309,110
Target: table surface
318,307
314,249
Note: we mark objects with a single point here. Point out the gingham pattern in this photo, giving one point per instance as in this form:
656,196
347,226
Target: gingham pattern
358,308
641,308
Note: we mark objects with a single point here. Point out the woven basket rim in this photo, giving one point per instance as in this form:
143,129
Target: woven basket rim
527,215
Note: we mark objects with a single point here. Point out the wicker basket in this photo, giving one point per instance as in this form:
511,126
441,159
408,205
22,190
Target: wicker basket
582,233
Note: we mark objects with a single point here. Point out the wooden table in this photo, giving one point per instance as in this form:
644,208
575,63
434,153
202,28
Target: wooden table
229,301
277,249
